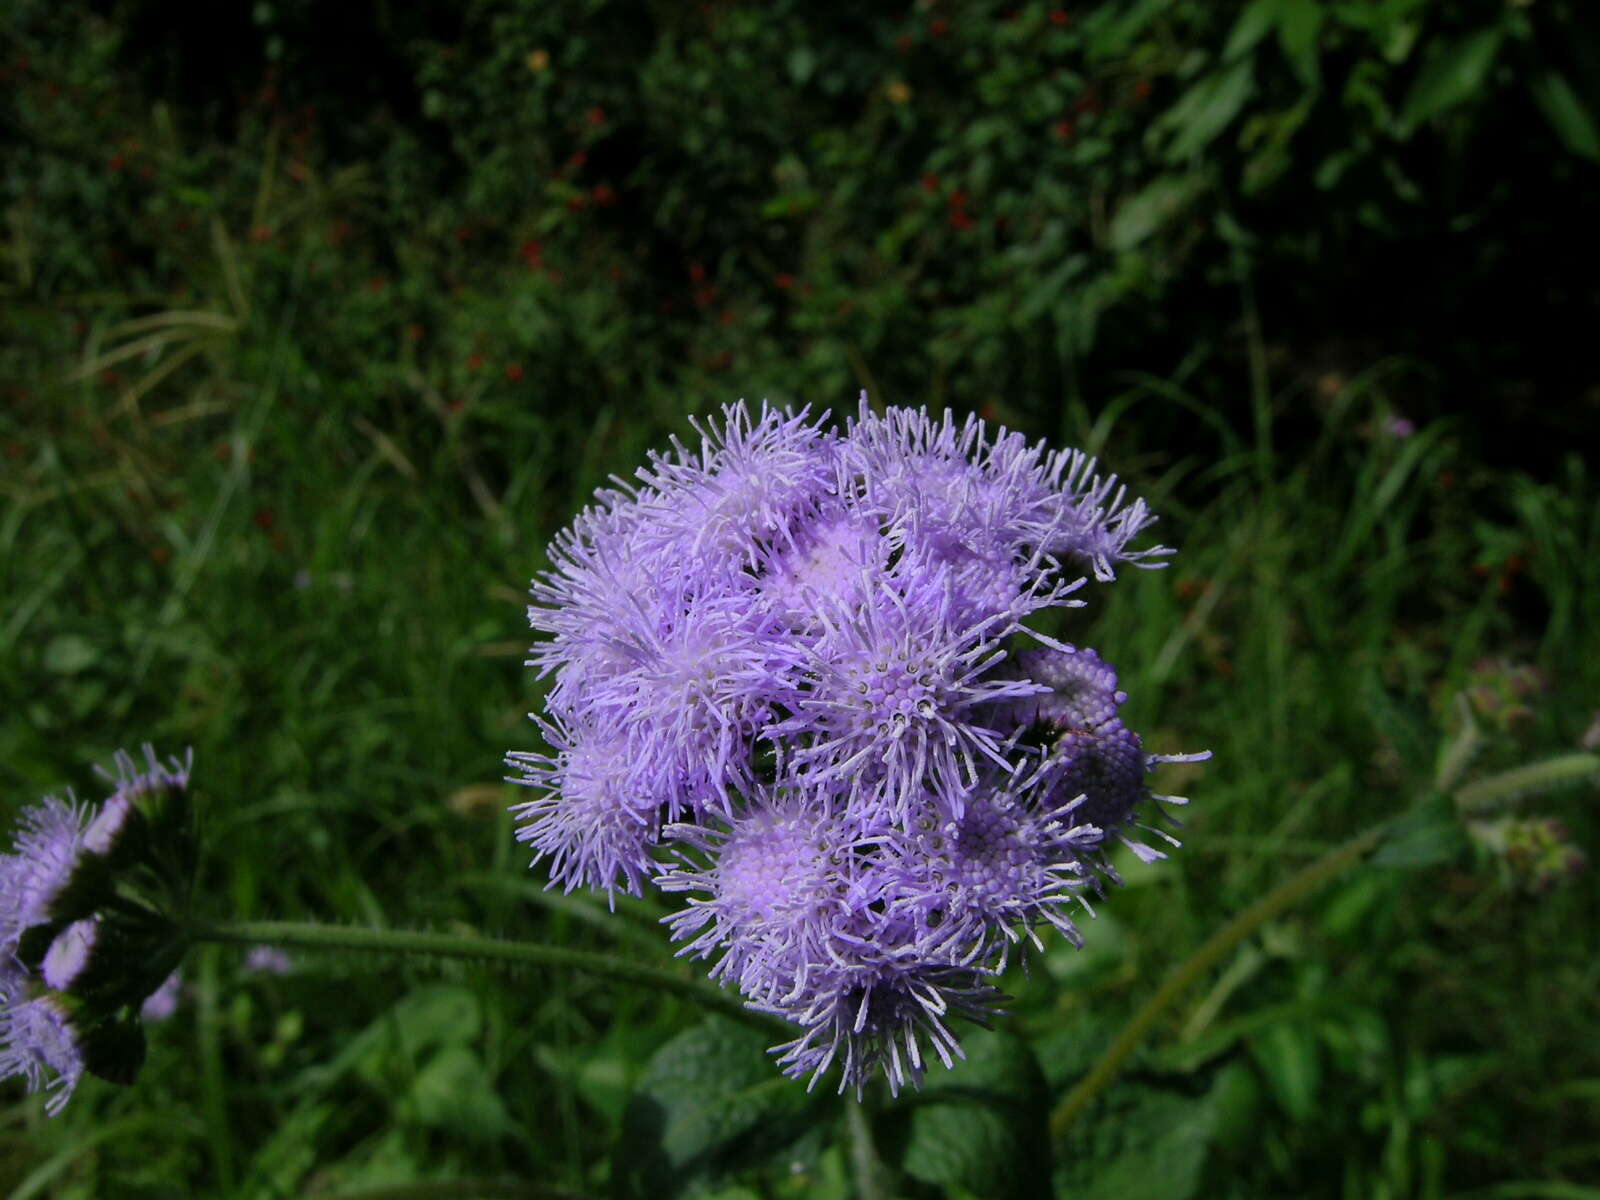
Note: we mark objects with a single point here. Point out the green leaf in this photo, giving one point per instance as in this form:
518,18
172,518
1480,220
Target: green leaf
982,1126
1350,902
1453,72
434,1015
455,1092
1254,23
198,197
1205,110
709,1101
1049,291
802,62
1299,24
1427,834
69,653
1148,209
1138,1142
1566,113
1289,1057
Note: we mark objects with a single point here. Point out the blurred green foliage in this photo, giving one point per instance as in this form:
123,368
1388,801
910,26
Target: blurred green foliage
308,354
1005,203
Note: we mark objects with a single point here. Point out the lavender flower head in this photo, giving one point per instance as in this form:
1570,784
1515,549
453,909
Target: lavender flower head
37,1039
792,680
83,939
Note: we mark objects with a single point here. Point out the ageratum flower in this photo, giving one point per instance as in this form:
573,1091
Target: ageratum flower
792,680
37,1039
48,844
83,937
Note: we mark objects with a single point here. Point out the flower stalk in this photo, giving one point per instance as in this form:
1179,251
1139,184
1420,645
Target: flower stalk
308,935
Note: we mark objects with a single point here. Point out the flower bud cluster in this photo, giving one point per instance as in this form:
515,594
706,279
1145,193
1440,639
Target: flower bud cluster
790,682
85,935
1537,853
1502,693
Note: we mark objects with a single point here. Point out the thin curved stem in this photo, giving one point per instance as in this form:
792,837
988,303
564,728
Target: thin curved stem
1281,898
310,935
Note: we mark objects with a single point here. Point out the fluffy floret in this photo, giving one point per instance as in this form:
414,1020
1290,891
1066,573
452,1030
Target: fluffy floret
38,1043
894,686
594,823
45,852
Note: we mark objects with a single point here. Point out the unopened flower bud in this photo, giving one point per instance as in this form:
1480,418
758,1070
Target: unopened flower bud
160,1004
117,831
67,960
1534,849
1503,692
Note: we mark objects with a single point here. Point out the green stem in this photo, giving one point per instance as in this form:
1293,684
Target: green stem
1281,898
308,935
864,1162
1483,793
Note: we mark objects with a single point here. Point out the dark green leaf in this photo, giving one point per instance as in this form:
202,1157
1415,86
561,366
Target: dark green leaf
1290,1058
1566,113
1299,23
709,1101
1254,23
1148,209
1137,1142
1454,71
1205,110
1426,835
982,1126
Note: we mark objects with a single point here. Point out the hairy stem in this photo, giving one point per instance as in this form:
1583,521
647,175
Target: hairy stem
309,935
1281,898
864,1162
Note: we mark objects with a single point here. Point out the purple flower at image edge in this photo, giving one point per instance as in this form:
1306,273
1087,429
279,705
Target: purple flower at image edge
60,876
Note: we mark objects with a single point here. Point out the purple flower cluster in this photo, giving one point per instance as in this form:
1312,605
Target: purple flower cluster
785,682
73,965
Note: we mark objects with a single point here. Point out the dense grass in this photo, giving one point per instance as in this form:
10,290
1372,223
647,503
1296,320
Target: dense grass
283,441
